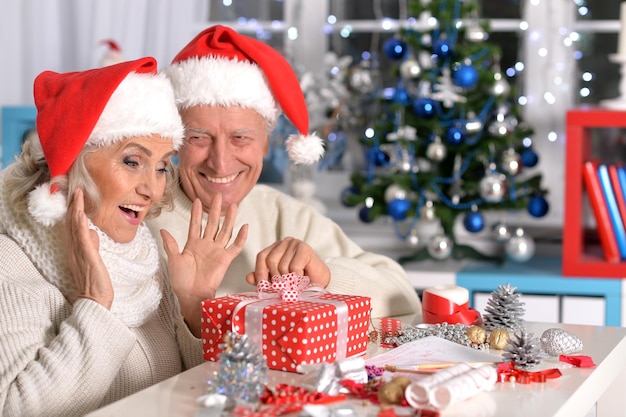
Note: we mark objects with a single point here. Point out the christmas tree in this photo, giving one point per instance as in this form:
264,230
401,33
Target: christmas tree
449,140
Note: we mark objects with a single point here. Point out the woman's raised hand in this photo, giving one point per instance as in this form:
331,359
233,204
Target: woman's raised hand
197,271
89,273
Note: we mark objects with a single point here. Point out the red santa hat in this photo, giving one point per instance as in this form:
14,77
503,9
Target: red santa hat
221,67
97,107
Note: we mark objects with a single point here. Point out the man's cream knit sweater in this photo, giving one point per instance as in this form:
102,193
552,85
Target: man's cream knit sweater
273,215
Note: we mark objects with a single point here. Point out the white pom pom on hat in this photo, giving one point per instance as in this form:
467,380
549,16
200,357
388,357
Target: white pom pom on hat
100,107
221,67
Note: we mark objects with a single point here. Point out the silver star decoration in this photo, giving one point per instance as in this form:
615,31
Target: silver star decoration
446,91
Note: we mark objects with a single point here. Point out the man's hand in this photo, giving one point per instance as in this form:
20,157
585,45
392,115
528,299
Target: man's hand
289,255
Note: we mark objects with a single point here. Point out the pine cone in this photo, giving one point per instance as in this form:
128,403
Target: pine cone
523,349
557,342
504,309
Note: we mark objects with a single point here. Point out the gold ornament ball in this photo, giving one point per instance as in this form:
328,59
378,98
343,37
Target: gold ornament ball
476,335
390,393
402,381
499,338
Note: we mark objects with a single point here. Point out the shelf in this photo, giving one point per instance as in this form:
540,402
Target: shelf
579,258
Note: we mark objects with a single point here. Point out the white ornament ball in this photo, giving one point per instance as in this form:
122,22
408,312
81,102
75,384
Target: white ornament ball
440,247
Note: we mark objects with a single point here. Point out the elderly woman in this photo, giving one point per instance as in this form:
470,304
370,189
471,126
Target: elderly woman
86,313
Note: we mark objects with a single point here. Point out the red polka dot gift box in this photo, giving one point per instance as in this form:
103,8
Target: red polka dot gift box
310,327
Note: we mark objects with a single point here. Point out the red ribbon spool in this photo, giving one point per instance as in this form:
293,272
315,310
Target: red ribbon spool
437,308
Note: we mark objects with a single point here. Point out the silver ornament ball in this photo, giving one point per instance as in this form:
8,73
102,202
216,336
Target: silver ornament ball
493,187
440,247
395,192
520,247
436,151
476,34
474,125
501,232
427,212
410,69
501,86
511,162
363,79
412,239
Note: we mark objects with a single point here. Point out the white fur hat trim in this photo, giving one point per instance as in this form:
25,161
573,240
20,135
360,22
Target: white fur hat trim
305,149
141,105
221,81
46,207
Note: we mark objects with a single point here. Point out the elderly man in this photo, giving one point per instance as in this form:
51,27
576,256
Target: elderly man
230,90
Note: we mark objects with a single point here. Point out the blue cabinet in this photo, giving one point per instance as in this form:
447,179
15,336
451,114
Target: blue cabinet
16,122
541,278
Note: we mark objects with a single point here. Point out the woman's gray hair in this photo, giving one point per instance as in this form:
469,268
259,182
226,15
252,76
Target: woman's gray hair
31,170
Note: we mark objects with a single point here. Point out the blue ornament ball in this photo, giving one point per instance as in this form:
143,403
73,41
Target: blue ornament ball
455,136
474,222
395,49
346,193
466,76
424,107
538,206
398,207
442,48
365,215
529,158
377,157
401,96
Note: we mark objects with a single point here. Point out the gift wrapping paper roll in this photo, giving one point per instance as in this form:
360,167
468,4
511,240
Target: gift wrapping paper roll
463,386
417,393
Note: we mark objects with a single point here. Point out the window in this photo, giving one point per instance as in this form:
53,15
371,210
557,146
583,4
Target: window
563,45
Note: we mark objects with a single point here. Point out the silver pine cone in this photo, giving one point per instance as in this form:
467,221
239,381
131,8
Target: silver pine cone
504,309
523,349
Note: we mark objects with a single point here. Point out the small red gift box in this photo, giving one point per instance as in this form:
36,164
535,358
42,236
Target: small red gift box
318,327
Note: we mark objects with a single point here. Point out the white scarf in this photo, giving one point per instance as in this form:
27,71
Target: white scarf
133,267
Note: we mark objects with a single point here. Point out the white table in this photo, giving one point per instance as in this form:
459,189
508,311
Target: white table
573,394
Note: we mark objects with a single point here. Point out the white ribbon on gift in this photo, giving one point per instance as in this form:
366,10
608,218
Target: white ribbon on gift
253,316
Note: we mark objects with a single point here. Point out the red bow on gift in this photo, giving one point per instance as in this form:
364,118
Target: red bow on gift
288,286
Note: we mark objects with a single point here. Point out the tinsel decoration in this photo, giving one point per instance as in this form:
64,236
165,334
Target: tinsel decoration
504,309
556,342
457,333
523,349
242,370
